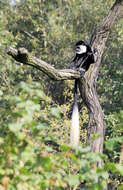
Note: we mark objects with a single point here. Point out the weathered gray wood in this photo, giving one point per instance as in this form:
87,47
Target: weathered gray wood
23,56
87,85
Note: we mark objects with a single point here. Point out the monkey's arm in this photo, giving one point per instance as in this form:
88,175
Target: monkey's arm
73,63
23,56
76,63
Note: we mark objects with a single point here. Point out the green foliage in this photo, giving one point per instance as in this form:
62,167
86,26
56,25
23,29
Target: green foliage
26,161
35,112
111,143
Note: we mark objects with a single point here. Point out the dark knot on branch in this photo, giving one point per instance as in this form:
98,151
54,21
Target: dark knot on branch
20,55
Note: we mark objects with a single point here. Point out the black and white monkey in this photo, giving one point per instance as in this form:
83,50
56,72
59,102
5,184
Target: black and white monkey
85,56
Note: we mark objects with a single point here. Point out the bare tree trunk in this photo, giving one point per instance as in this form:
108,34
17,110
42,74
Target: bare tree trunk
87,86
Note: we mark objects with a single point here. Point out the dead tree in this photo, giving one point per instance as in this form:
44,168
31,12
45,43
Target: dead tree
87,84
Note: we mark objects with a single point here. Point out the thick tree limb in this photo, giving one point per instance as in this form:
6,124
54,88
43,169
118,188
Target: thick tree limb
87,86
23,56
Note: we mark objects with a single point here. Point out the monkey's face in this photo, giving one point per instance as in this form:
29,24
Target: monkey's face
80,49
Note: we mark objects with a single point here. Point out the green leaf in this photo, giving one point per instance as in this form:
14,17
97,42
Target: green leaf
55,112
72,180
15,127
119,168
46,162
110,166
120,187
112,142
1,140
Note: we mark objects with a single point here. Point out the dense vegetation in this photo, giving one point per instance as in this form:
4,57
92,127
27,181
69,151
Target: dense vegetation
35,111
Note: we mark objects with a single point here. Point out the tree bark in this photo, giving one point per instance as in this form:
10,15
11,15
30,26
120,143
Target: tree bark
23,56
87,86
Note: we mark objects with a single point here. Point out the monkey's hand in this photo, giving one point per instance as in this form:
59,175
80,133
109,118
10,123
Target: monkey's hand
95,53
82,71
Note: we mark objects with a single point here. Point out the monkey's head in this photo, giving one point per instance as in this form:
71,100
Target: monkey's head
81,47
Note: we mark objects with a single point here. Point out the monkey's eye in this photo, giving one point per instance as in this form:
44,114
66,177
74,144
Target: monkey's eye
77,48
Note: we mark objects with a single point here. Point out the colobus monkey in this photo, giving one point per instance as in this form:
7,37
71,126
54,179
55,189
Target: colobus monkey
85,56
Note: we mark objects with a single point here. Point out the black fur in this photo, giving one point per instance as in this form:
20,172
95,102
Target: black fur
84,60
82,63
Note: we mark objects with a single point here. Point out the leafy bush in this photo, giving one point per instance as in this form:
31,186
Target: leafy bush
30,155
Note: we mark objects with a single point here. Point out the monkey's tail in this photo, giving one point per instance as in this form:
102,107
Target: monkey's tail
74,134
